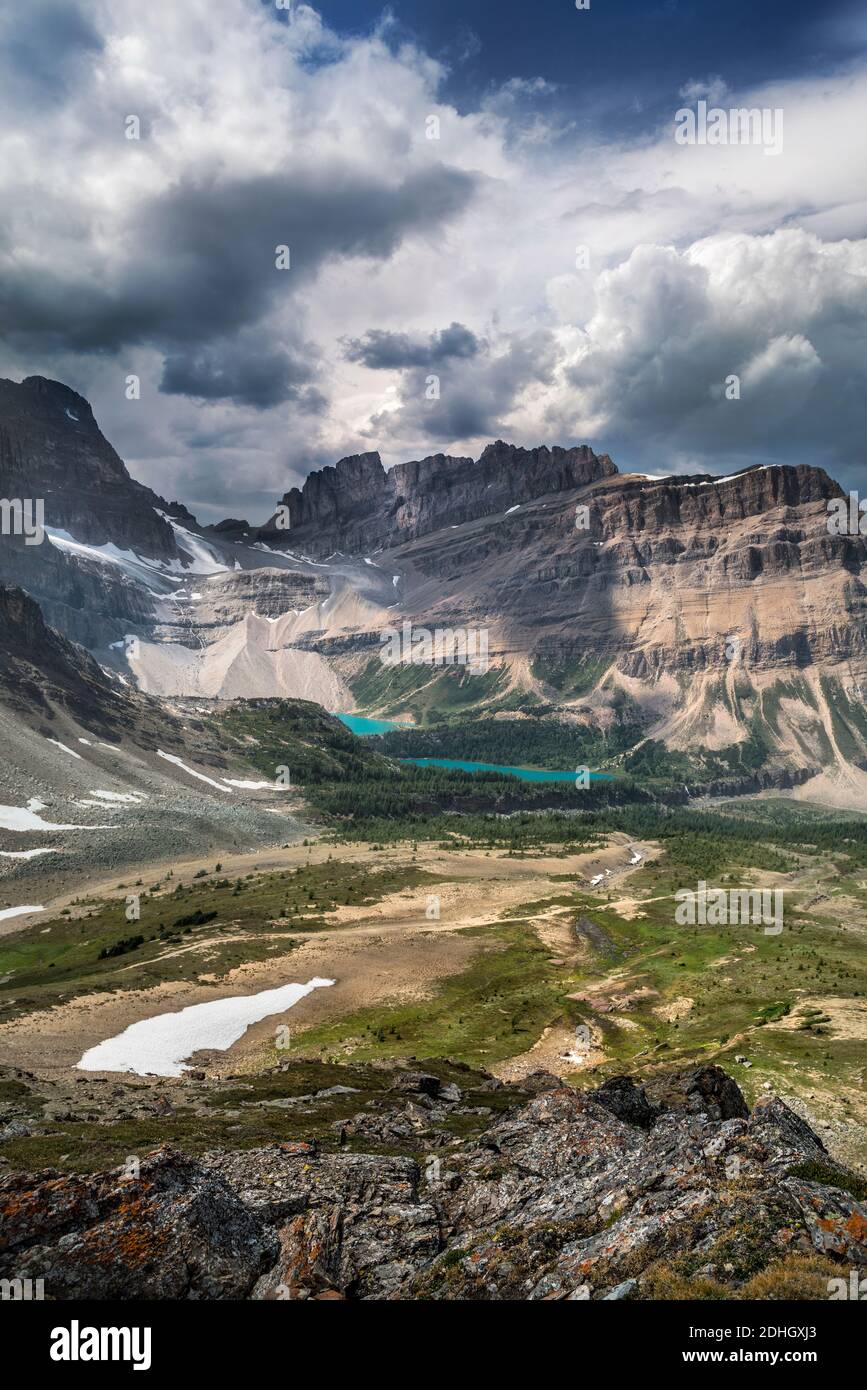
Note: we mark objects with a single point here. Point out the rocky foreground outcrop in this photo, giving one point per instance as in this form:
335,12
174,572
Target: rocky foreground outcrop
671,1190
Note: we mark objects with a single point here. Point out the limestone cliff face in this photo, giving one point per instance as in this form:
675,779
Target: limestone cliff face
714,606
358,506
226,600
52,448
674,563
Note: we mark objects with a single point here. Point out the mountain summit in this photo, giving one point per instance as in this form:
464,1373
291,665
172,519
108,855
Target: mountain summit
359,506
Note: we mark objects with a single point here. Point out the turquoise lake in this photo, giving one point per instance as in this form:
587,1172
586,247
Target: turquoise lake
527,774
361,726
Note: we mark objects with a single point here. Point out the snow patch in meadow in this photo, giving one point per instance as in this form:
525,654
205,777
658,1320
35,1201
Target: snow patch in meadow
129,797
254,786
159,1045
17,912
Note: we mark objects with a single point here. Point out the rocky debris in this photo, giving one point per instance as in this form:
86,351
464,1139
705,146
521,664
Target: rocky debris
352,1250
417,1081
280,1184
622,1192
38,665
576,1199
621,1290
302,1148
627,1101
175,1231
701,1091
536,1081
591,933
785,1136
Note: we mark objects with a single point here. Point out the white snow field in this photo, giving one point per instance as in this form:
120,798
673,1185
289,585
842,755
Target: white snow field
171,758
131,798
255,786
158,1046
24,853
17,818
143,571
17,911
71,751
205,559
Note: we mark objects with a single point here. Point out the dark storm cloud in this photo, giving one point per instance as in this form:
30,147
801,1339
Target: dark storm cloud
245,370
199,260
381,350
41,42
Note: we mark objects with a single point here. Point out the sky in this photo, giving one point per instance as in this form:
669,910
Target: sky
309,231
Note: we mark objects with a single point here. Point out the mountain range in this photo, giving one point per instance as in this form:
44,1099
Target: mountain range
713,616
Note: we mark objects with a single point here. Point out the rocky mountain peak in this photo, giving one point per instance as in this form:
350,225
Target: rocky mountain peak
47,393
52,448
357,505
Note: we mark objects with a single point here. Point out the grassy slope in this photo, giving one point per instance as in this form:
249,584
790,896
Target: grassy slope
249,920
516,988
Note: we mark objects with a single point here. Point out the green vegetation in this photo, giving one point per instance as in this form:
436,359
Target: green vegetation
697,993
298,735
122,947
495,1008
570,679
222,926
251,1111
531,742
428,693
703,992
817,1171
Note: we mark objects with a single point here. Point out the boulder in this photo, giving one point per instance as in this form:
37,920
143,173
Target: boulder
176,1231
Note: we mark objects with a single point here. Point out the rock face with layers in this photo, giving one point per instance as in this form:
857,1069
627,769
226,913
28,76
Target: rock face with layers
358,506
40,668
52,448
674,1189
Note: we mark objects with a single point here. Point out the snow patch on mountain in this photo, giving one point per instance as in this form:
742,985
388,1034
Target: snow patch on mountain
172,758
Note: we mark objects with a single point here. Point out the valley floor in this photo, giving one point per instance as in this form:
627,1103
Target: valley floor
521,965
381,955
